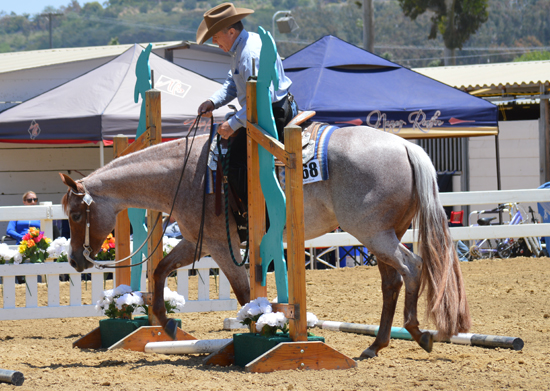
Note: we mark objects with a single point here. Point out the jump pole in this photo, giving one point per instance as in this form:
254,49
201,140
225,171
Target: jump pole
187,347
12,377
482,340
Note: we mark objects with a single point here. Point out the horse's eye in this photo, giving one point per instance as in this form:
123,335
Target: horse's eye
76,216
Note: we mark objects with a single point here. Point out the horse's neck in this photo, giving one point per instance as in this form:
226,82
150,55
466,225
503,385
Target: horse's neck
146,179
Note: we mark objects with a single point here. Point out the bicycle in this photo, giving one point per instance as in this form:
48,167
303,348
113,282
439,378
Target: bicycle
508,247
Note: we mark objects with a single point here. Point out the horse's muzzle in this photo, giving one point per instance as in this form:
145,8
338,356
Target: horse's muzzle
77,266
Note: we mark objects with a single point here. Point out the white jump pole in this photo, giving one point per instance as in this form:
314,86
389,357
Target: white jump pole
488,341
187,347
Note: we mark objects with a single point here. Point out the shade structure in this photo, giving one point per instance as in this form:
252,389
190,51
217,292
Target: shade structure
100,104
346,85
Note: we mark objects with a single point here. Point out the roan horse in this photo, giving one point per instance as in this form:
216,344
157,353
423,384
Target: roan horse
378,184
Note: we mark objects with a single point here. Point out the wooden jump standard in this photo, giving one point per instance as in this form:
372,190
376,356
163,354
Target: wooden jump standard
299,353
153,333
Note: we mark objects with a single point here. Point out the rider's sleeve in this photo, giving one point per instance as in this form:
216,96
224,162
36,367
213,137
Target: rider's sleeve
249,59
226,94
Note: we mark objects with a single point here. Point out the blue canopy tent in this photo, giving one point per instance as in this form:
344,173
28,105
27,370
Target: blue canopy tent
346,85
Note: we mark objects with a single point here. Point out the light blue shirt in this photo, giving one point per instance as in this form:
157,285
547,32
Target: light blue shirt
246,47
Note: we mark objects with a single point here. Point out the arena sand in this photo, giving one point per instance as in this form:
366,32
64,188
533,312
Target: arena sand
507,297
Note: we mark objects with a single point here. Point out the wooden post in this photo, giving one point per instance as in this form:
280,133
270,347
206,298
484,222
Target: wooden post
256,203
154,127
295,235
122,226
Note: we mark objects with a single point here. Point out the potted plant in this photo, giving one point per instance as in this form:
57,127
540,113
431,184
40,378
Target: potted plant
120,303
271,329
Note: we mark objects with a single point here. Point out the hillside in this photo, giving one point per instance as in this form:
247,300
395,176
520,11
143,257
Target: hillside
513,26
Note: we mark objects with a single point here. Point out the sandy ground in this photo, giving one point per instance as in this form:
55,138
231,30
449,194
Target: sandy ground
507,297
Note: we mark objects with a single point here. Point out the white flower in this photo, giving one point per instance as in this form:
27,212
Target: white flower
168,244
273,319
58,247
129,299
256,307
18,258
174,298
121,290
311,320
6,254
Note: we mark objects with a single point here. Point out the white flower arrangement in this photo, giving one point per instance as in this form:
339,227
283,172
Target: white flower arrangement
173,301
168,244
59,249
121,302
9,256
267,322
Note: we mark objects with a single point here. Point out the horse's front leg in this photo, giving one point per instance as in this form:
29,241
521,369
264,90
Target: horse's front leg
391,285
181,255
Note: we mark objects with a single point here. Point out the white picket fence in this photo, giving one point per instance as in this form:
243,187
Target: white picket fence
75,308
47,213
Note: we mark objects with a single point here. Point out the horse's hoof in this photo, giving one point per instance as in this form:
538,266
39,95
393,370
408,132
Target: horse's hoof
368,353
426,341
171,328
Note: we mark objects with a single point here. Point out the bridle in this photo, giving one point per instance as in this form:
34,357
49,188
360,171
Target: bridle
87,199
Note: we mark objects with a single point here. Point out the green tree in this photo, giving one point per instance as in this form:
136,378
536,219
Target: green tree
455,20
533,56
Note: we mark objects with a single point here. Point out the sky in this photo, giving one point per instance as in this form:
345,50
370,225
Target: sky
33,6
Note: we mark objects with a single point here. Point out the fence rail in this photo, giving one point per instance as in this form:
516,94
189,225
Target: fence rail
47,213
76,308
464,233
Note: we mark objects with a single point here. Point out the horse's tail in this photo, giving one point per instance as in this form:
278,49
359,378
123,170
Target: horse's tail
447,306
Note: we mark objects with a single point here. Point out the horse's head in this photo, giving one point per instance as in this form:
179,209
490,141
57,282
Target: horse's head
89,222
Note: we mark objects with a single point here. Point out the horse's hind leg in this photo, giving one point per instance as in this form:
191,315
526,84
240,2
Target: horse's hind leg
391,284
424,339
388,250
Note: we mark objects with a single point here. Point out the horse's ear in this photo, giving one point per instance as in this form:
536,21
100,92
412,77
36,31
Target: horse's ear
69,182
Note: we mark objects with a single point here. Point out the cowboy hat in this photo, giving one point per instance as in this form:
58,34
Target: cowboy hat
218,18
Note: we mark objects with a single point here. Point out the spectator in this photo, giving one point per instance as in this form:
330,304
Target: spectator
18,229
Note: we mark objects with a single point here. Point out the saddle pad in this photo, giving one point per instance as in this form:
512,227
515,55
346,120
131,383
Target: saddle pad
314,157
315,154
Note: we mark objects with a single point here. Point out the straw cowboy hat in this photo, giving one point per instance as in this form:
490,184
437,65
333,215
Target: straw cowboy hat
218,18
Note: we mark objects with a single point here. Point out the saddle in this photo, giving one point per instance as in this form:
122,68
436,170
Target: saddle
237,205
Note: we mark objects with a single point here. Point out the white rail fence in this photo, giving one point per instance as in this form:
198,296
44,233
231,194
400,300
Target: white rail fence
463,233
76,308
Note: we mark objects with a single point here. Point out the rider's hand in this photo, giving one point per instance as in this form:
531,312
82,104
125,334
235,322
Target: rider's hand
206,108
225,131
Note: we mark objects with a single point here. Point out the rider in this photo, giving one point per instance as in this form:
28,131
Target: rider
223,24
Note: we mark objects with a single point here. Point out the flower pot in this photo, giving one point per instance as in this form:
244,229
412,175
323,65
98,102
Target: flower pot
113,330
249,346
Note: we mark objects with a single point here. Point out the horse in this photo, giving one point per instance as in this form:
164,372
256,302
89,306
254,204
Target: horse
379,184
